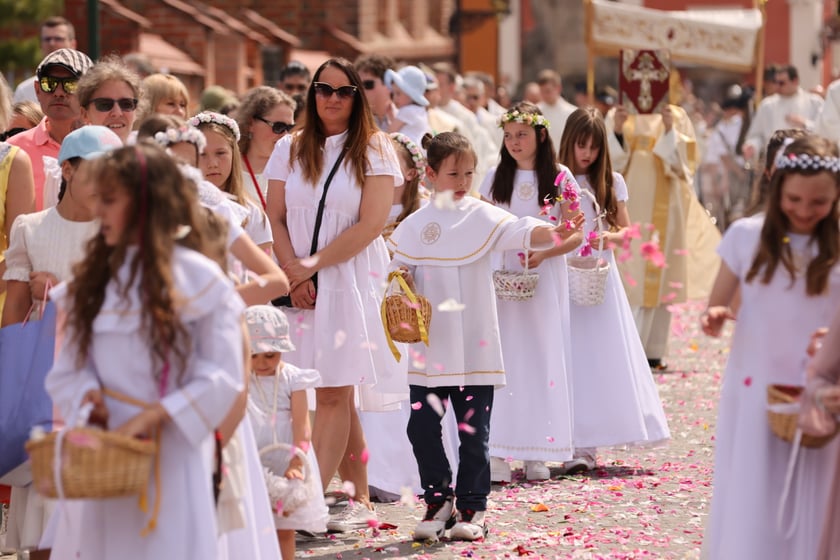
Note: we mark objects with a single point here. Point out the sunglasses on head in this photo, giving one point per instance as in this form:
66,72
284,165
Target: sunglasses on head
49,84
369,84
326,90
105,104
277,127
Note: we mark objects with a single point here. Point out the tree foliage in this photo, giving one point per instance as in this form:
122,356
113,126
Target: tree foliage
17,53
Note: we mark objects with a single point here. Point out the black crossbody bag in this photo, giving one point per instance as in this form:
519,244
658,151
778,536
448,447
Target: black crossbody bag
286,301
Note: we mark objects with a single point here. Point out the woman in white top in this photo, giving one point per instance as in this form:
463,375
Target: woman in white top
341,336
265,116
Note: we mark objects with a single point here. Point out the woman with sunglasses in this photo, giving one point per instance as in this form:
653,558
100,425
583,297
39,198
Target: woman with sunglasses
337,329
108,95
264,117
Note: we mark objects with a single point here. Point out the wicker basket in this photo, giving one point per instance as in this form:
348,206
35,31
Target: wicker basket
285,495
513,285
402,313
94,464
588,275
784,425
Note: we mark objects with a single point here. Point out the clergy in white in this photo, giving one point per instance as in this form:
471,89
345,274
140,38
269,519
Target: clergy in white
791,107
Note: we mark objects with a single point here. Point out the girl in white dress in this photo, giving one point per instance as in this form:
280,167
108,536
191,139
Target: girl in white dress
138,293
785,264
616,402
221,164
279,414
532,415
445,247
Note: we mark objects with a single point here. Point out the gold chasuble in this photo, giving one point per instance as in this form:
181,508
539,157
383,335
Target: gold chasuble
659,170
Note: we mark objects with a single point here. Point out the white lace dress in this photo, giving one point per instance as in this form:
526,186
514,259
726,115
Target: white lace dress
269,409
532,415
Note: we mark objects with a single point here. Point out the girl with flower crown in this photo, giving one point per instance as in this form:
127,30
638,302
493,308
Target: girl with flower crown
536,361
221,164
786,265
609,368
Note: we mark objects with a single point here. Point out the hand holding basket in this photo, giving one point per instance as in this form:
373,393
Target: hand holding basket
406,316
513,285
285,494
588,275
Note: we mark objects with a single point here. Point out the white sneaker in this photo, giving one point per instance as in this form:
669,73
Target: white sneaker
469,526
499,470
351,518
579,465
438,518
536,470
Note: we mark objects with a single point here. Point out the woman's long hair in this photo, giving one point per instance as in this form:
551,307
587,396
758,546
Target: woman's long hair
545,164
161,203
307,145
582,125
773,249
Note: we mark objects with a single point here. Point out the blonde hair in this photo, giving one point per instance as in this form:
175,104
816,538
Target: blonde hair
5,104
160,87
29,110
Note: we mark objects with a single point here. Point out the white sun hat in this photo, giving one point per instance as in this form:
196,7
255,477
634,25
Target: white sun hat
411,80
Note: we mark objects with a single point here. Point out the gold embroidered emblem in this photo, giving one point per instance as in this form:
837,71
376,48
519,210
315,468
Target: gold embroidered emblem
526,191
430,233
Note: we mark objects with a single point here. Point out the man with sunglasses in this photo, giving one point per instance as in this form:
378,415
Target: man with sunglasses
57,78
371,69
56,33
790,107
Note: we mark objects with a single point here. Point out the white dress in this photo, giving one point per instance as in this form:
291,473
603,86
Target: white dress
775,322
262,392
196,398
40,242
616,401
416,122
342,337
532,415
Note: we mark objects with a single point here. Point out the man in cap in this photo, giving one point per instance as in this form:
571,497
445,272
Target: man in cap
56,33
57,78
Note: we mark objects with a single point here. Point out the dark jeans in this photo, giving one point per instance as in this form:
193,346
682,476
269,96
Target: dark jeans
472,405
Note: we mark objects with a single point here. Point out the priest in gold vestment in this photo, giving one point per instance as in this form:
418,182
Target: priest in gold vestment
656,154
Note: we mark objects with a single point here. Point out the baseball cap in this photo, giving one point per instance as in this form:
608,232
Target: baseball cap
268,329
75,61
88,142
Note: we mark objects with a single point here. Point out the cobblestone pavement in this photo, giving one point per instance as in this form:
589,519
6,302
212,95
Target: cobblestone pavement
640,503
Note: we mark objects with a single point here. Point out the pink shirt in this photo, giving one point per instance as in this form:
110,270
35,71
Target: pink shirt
37,142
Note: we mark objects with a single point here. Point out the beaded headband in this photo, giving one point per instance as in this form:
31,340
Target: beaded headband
181,134
209,117
531,119
805,162
416,154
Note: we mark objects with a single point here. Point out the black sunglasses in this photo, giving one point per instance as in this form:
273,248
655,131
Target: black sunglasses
369,84
49,84
11,132
326,90
105,104
277,127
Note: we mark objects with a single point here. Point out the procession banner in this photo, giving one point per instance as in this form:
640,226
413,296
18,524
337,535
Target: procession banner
644,80
719,38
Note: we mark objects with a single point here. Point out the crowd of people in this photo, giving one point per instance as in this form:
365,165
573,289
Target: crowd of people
239,254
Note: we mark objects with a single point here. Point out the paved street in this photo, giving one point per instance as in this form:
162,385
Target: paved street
649,503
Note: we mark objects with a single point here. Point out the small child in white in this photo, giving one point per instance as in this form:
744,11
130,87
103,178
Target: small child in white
279,413
409,88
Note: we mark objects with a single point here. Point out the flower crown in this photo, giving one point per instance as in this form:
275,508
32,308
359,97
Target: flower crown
531,119
416,154
807,161
181,134
208,117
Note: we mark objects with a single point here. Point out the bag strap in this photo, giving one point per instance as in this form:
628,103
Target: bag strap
256,184
421,324
320,215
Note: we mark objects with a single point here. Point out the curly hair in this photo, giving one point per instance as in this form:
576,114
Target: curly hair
161,202
544,163
773,249
308,144
583,125
255,104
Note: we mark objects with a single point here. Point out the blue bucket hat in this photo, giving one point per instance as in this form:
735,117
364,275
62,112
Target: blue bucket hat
88,142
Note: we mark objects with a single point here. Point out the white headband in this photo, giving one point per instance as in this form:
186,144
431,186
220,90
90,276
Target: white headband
805,162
